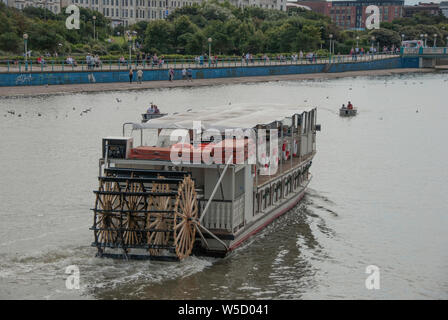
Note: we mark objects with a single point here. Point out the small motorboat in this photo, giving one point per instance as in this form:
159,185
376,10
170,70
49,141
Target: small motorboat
345,112
153,112
148,116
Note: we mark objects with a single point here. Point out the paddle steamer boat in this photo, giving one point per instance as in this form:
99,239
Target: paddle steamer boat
164,199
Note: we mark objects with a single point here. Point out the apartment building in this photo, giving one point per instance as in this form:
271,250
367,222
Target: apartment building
352,14
52,5
128,12
444,8
430,8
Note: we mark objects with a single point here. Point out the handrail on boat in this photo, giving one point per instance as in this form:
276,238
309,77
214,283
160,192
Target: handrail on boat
141,131
215,188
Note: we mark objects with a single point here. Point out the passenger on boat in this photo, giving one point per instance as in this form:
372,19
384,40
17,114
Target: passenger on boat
343,106
151,109
349,106
156,109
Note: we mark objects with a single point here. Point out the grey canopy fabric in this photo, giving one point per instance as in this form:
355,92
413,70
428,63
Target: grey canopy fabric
233,116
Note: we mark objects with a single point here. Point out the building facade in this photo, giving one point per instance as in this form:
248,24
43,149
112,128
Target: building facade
52,5
430,8
444,8
352,14
128,12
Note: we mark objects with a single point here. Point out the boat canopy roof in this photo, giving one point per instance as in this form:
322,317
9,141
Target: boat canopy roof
232,116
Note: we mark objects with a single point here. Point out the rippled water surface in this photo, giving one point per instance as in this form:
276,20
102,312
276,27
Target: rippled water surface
379,197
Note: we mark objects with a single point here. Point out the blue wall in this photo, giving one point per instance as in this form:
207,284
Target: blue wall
43,78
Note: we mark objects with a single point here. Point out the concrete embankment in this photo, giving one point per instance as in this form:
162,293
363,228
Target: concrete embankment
119,86
46,76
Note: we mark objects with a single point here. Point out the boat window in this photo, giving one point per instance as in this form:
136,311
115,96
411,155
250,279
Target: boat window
165,134
239,183
304,122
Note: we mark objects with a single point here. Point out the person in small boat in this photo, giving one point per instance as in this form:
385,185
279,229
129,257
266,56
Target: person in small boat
156,110
349,106
151,109
343,106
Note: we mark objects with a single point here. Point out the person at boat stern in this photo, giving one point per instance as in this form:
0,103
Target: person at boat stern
349,106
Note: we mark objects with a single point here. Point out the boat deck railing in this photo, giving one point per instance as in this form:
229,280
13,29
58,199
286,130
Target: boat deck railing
284,168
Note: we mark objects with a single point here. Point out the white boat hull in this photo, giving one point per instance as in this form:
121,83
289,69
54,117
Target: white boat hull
215,248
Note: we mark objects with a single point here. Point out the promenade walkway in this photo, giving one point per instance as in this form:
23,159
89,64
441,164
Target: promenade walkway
57,66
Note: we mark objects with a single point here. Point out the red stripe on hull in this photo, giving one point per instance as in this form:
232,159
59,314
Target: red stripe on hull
237,244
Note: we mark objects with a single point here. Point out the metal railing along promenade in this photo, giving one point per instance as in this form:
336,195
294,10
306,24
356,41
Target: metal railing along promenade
109,65
425,51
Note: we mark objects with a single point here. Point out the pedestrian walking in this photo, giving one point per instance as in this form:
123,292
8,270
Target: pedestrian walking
190,74
131,75
139,75
184,74
171,74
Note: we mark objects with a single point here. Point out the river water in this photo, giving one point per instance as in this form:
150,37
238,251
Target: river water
378,197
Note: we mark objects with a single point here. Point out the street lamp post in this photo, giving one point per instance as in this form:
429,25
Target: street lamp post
331,42
130,47
435,39
94,33
426,38
402,39
321,33
25,40
357,41
209,47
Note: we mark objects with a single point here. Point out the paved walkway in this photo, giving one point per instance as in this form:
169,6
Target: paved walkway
106,66
123,86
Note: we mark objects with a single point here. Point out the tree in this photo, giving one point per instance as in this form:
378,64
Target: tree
10,42
159,36
386,37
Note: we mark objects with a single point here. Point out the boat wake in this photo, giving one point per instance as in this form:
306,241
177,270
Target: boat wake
47,272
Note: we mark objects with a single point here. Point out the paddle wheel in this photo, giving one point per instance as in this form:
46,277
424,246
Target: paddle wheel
145,214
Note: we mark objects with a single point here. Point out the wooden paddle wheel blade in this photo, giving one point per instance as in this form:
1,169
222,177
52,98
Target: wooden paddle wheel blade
147,210
186,216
